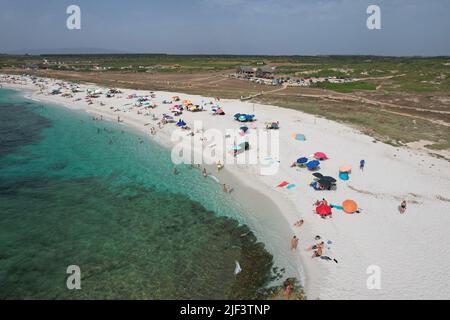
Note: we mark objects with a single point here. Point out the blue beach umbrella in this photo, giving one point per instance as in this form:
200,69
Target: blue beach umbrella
181,123
302,160
313,164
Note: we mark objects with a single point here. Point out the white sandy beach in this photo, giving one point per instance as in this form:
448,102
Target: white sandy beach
412,250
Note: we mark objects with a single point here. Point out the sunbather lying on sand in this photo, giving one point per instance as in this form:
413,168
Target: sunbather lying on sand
299,223
316,246
317,252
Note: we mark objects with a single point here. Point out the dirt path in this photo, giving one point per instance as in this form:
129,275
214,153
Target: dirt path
383,105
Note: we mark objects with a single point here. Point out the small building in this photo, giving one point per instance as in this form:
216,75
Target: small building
265,72
246,71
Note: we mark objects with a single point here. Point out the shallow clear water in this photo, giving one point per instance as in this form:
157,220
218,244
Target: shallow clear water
74,191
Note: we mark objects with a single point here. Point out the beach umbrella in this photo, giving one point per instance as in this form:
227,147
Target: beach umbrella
320,156
323,210
349,206
299,137
331,179
313,164
346,168
181,123
302,160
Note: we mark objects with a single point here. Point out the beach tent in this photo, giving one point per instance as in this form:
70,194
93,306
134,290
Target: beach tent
314,164
349,206
326,184
320,156
346,168
299,136
323,210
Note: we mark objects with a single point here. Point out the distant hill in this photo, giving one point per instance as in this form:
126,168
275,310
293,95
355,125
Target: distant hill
64,51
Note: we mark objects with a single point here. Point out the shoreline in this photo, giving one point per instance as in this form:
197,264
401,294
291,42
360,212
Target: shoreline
241,189
354,237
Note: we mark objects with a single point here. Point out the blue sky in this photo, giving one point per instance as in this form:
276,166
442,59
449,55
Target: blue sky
304,27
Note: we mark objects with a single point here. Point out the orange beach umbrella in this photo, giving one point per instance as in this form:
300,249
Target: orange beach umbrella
346,168
350,206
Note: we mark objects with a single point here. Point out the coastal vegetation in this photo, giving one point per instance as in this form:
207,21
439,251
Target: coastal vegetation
397,100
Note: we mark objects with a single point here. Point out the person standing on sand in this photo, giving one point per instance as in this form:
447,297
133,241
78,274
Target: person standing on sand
288,291
402,207
294,243
362,163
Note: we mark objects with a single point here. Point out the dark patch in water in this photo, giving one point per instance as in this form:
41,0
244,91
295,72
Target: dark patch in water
19,126
126,248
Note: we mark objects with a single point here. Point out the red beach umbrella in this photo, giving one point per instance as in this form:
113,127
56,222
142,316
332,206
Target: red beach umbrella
320,156
323,210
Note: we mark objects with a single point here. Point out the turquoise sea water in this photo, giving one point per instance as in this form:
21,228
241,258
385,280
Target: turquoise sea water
74,191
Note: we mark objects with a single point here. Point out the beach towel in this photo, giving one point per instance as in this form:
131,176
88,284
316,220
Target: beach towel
336,207
283,184
290,186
